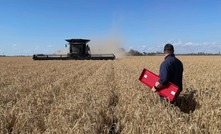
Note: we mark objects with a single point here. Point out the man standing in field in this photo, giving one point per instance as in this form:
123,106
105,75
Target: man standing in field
171,70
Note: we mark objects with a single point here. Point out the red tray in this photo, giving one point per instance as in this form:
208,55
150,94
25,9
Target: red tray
169,91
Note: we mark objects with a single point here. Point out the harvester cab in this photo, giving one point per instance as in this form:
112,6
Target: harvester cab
78,50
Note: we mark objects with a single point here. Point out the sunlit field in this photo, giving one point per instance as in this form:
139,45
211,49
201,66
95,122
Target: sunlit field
96,97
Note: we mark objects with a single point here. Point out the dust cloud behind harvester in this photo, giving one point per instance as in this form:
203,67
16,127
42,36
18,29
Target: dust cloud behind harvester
110,44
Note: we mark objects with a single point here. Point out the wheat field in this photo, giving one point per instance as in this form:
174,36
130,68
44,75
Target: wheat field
106,97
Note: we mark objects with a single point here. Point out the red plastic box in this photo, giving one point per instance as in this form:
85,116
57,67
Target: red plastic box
169,91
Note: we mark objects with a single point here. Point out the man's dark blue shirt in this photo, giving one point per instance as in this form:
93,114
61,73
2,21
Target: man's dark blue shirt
171,70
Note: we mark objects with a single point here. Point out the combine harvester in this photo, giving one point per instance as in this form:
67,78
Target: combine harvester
79,50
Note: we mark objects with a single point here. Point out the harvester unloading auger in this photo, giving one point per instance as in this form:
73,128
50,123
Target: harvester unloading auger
79,50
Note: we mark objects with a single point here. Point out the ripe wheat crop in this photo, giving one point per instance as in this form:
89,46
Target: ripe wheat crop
106,97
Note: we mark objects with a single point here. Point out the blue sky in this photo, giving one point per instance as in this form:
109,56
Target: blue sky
40,26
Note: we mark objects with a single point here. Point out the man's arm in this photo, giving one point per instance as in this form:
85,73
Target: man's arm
164,76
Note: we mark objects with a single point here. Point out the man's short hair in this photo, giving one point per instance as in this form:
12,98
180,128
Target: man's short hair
169,47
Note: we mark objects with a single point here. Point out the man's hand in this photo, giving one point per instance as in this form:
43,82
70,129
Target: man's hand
154,89
156,86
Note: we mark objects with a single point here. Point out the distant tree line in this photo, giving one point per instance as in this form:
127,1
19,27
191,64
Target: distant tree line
133,52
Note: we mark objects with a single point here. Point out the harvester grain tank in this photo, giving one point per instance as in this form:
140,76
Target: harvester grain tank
78,50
